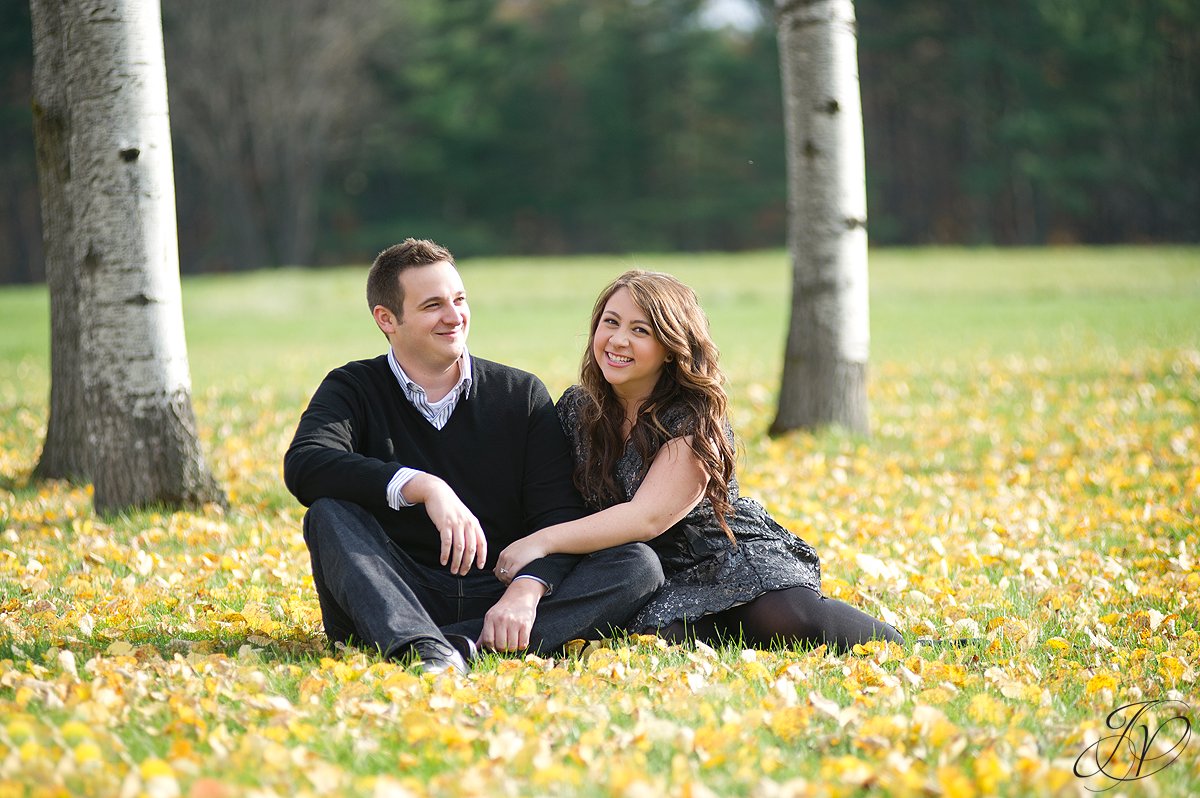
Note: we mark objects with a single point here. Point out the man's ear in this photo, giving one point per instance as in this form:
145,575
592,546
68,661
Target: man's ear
385,319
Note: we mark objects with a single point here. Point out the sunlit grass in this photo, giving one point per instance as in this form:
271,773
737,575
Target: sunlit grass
1033,480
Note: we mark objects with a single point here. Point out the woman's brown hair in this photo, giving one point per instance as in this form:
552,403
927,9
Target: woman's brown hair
691,383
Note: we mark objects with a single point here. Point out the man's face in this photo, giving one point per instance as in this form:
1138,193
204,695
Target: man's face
432,333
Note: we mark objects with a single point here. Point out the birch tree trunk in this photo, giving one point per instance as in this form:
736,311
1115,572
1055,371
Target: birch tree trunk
825,366
63,455
140,430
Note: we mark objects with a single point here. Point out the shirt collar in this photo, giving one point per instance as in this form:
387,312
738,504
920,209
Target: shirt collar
463,386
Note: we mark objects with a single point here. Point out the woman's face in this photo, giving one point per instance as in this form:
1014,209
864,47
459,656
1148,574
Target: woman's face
626,349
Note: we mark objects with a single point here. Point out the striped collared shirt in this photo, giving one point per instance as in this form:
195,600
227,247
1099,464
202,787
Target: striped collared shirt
436,413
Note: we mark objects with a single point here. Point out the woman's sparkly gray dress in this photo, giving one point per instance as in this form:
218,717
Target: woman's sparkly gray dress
705,573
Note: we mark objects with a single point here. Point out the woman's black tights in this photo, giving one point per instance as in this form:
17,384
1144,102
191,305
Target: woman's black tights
795,615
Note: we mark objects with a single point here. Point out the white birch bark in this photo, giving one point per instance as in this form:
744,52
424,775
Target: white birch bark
825,366
63,454
141,435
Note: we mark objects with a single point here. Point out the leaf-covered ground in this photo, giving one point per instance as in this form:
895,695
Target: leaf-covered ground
1045,505
1051,512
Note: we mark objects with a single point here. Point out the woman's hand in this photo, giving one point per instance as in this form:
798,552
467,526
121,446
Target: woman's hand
506,625
517,555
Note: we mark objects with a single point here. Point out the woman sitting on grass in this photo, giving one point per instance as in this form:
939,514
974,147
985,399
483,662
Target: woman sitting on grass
654,455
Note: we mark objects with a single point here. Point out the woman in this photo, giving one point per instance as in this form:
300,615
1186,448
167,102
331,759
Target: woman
654,455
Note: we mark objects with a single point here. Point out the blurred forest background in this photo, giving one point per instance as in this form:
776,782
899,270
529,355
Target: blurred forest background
308,132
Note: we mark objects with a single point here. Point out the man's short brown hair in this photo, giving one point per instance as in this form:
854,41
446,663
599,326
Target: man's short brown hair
383,282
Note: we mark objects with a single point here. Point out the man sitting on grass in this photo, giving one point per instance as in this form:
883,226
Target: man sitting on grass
420,465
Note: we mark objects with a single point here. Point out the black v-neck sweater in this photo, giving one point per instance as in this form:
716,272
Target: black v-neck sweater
502,451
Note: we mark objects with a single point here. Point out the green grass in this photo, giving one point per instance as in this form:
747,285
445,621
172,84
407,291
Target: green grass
1032,472
283,329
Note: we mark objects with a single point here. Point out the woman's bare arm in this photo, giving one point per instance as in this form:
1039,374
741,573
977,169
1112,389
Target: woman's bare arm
673,485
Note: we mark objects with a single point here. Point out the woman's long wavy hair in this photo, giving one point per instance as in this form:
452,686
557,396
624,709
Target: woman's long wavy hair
691,379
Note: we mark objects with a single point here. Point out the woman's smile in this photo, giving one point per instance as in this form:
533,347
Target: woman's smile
627,349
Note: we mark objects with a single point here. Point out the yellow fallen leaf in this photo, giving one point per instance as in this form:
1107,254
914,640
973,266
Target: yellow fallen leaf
935,695
954,783
87,752
789,723
984,709
1101,681
119,648
19,730
75,732
1171,669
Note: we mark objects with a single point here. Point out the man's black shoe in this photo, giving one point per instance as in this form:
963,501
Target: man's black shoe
465,647
438,657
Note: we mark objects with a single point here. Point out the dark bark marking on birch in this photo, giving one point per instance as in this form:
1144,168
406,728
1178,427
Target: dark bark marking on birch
139,299
798,14
810,149
787,8
831,107
816,287
853,223
130,154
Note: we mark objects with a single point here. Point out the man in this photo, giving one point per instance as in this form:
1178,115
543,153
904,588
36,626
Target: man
420,466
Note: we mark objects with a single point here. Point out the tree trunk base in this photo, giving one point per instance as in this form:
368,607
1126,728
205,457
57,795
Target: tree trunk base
819,392
168,467
59,461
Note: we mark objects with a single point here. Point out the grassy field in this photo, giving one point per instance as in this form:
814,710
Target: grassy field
1033,480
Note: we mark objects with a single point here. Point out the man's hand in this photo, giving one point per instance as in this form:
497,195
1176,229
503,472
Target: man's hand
506,625
463,541
517,555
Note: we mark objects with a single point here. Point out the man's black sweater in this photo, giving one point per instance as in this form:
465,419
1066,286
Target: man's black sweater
502,451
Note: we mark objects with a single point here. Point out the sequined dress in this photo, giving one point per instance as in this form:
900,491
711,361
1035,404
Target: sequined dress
704,572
